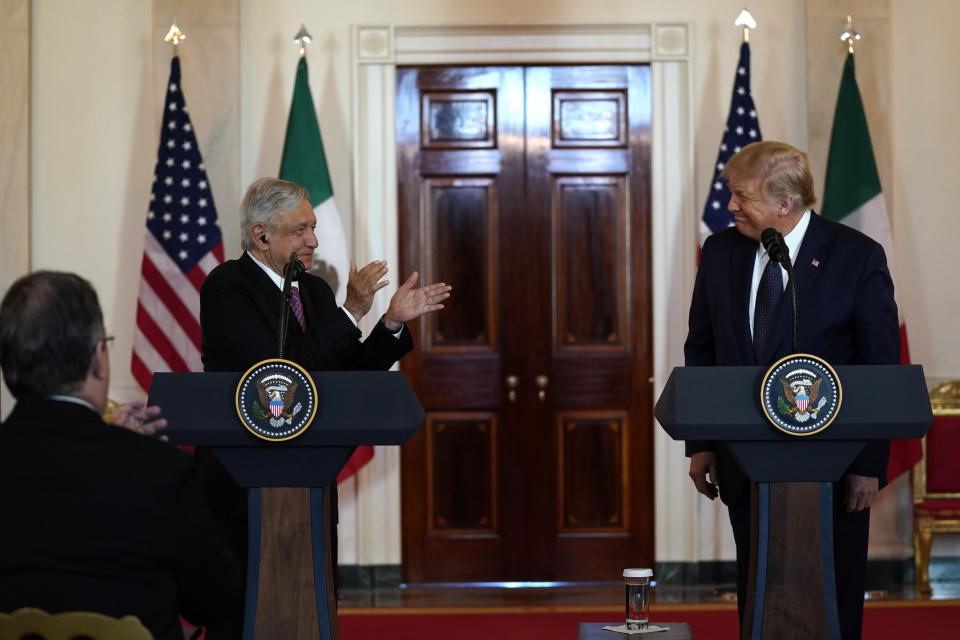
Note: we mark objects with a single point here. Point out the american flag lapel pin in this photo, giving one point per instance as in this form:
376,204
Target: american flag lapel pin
815,262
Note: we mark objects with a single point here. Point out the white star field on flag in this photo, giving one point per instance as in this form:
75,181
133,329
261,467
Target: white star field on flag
179,168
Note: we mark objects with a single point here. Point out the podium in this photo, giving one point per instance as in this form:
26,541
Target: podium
791,592
290,592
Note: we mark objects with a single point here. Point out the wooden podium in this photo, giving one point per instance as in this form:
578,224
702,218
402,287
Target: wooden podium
791,591
290,569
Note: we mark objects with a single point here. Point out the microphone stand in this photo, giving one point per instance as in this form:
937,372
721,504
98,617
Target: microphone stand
292,271
795,323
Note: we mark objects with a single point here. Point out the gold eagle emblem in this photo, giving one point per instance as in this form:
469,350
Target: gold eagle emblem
286,397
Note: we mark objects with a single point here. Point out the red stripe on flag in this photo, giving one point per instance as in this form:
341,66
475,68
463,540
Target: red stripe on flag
197,275
218,252
159,340
360,457
141,374
904,454
184,317
904,345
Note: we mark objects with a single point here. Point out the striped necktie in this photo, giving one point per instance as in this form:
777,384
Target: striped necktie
297,307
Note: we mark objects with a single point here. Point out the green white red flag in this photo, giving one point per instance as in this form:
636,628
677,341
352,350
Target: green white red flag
852,195
305,163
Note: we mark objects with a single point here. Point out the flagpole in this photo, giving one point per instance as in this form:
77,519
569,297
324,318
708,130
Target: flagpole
302,39
849,34
176,36
745,20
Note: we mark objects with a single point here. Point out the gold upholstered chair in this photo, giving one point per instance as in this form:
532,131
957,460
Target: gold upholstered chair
35,624
936,483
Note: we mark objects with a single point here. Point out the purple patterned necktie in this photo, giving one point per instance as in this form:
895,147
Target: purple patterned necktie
765,311
297,307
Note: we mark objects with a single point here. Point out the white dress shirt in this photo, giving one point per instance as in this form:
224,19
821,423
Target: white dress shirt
278,280
793,240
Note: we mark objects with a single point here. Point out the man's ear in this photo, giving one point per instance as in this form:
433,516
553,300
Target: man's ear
259,234
786,206
100,362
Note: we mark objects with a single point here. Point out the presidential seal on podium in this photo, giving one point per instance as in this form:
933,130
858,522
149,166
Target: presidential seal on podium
800,394
276,400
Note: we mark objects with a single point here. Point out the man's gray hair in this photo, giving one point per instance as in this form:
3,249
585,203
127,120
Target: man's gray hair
264,199
50,324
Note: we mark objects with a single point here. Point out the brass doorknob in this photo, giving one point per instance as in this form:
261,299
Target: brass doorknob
512,381
541,381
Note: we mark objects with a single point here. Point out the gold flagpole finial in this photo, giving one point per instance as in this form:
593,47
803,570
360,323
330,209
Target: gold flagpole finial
175,35
302,39
746,21
849,34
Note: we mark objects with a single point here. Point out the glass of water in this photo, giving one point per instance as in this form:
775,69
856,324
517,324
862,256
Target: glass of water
637,583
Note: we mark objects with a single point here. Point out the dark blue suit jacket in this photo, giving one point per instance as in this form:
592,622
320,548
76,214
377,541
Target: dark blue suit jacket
240,313
239,318
847,315
99,518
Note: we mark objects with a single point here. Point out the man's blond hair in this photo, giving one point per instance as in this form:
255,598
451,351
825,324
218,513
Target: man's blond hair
782,169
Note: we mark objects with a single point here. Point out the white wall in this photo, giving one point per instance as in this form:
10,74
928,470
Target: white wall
95,121
93,147
926,141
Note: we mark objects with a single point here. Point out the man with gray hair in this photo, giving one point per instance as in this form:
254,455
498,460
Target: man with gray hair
96,517
739,315
239,317
239,301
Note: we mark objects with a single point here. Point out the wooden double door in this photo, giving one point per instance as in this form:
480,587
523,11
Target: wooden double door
528,189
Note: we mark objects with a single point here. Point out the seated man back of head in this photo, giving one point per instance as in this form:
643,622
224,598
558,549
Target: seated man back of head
95,517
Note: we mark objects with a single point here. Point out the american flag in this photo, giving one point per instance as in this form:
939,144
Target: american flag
742,128
183,244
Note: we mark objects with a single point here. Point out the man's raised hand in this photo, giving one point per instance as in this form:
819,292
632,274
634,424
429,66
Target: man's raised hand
362,285
409,303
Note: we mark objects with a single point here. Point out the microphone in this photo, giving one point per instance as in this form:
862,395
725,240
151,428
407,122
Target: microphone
776,247
294,269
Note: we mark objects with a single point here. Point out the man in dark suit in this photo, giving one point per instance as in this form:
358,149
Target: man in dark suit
95,516
740,316
240,313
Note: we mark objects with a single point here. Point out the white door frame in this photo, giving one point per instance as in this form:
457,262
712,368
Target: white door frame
370,507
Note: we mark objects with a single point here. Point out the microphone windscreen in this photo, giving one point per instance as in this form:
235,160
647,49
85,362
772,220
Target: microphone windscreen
294,269
774,244
298,270
768,237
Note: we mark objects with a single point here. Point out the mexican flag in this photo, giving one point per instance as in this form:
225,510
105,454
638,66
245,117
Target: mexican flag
852,195
304,162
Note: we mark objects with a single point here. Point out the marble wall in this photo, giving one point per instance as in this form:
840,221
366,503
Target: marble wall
14,149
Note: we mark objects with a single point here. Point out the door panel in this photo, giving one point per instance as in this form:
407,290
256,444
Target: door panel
588,177
589,224
528,190
460,232
460,185
592,496
462,473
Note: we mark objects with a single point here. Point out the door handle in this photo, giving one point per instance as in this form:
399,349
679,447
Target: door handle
512,381
541,381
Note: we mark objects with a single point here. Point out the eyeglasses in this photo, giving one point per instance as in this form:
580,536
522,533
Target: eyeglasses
106,340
